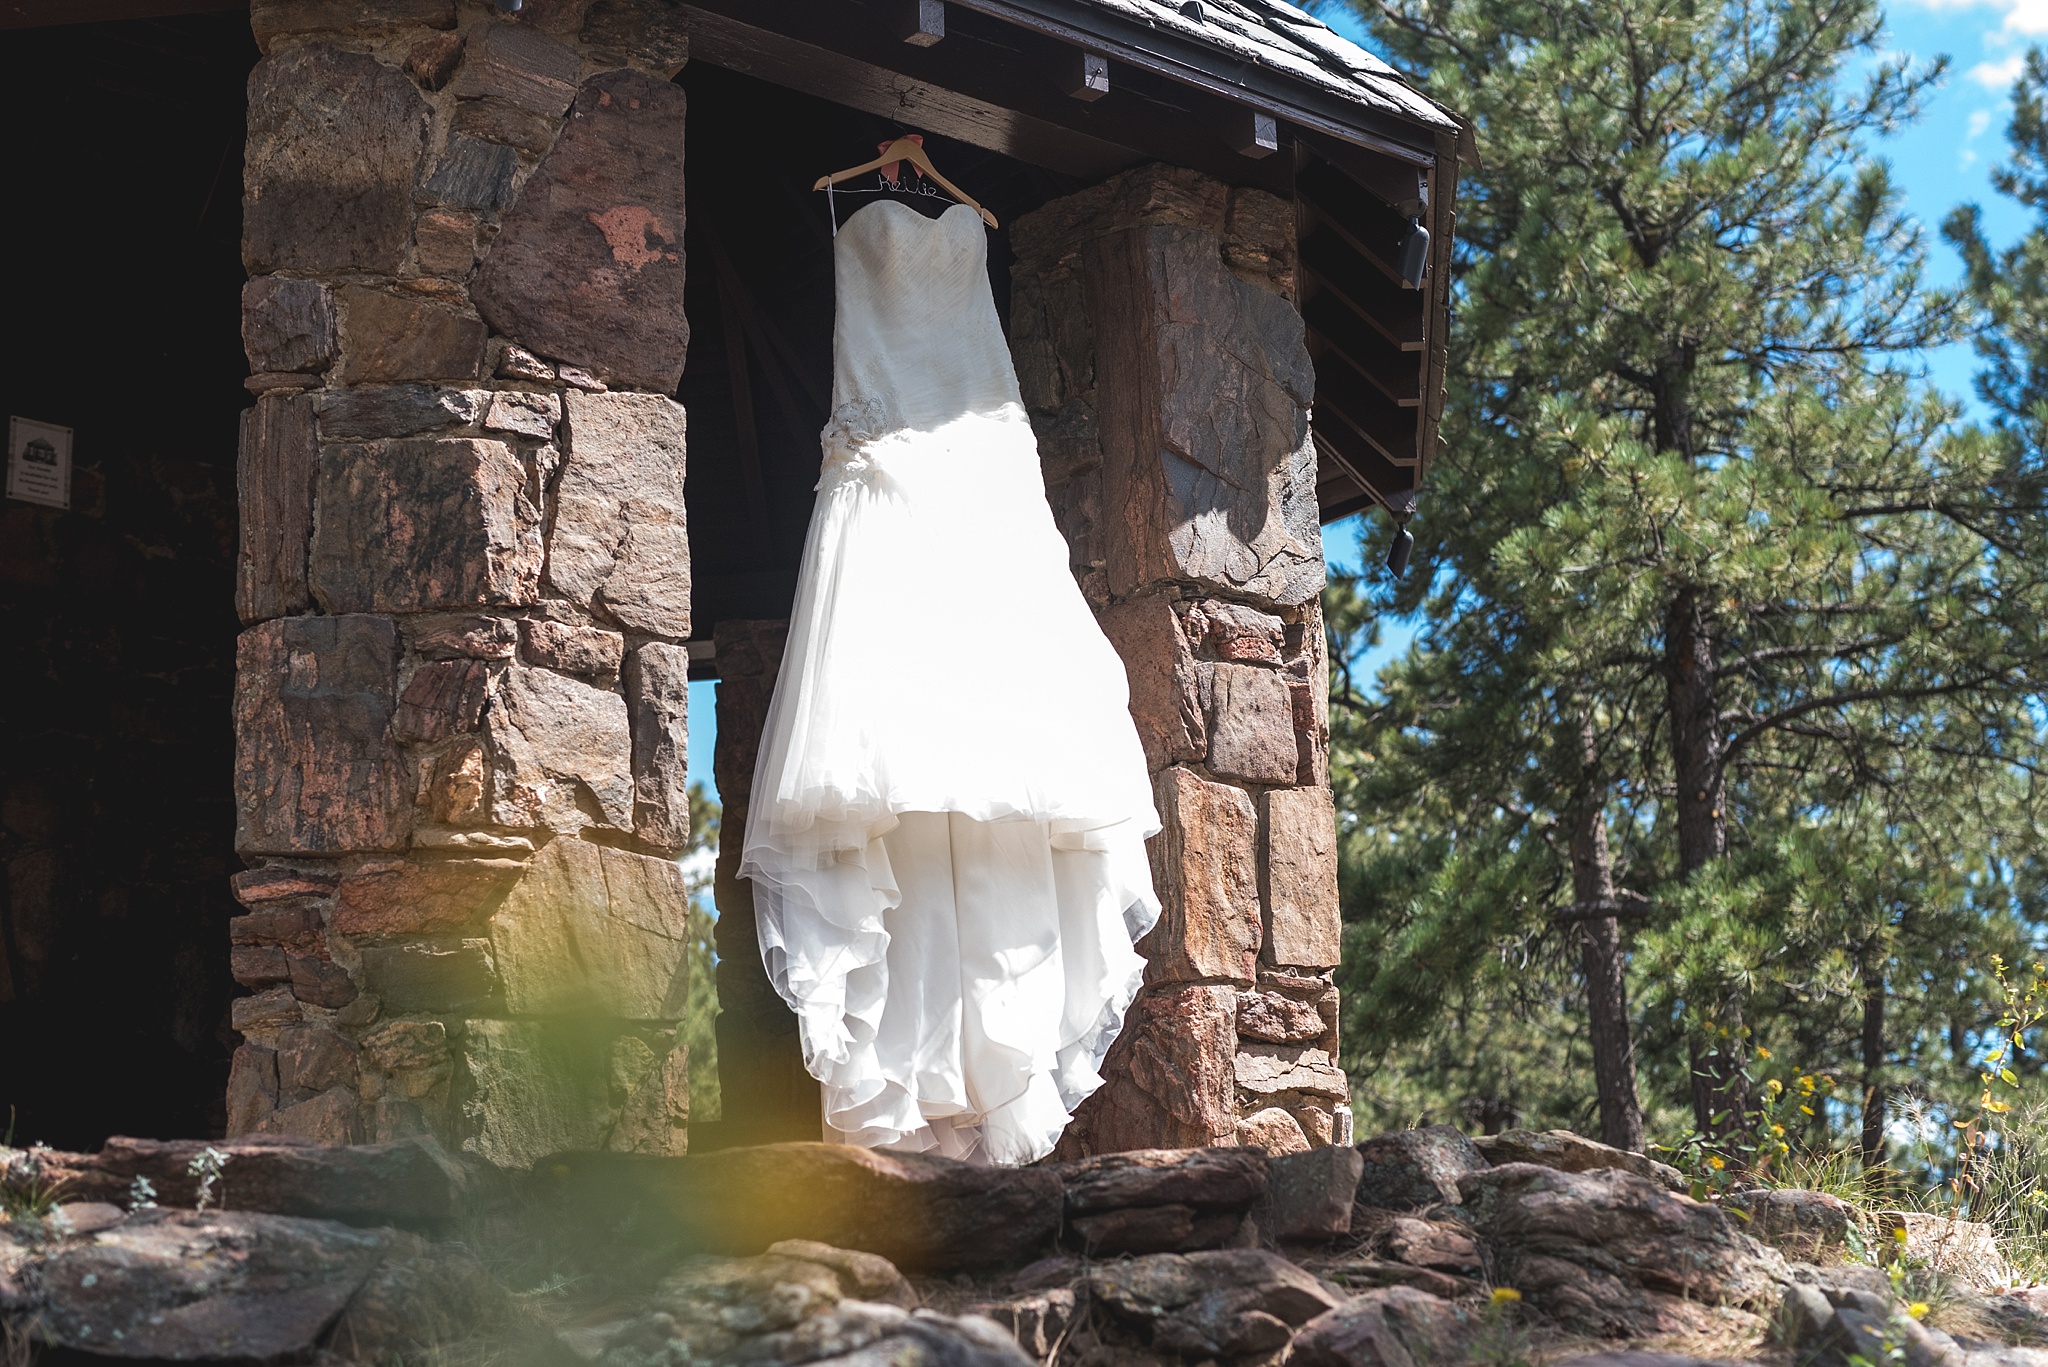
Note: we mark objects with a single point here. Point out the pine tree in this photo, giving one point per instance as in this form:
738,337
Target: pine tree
1703,554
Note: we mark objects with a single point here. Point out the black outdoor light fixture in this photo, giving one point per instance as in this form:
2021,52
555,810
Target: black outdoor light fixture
511,6
1414,254
1403,547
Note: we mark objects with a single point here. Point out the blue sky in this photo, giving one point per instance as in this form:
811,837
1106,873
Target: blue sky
1942,161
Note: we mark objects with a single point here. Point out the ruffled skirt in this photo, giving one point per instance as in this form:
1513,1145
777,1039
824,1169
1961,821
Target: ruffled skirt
947,829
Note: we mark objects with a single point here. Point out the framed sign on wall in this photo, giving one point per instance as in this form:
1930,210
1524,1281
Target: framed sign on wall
39,462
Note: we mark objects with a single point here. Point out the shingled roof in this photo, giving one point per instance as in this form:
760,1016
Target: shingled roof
1277,35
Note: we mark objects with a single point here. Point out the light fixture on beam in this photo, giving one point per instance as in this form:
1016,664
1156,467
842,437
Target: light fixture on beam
920,22
1414,254
1087,75
1257,134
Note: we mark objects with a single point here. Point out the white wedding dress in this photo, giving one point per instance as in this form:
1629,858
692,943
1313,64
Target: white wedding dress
947,831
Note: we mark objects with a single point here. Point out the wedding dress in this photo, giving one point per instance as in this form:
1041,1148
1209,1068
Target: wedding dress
947,829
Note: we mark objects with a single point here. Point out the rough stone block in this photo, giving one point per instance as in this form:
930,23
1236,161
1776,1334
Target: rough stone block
269,1010
1251,725
1232,631
658,702
1208,1178
509,124
1410,1169
654,1116
473,174
332,1117
593,931
444,242
549,1087
620,544
1303,925
334,146
1395,1325
255,887
1205,867
287,325
1168,1078
1165,698
433,59
1312,1193
398,410
319,981
561,753
1278,1019
422,897
316,769
454,638
258,965
648,34
1272,1130
274,474
274,19
1569,1152
1267,1069
588,652
442,699
455,787
252,1088
528,415
438,975
421,523
391,337
510,61
1205,386
403,1046
313,1058
588,266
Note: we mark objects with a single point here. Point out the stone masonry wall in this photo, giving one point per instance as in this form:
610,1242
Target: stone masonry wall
464,576
1168,378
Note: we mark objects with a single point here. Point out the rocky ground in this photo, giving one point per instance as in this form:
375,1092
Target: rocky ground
1413,1248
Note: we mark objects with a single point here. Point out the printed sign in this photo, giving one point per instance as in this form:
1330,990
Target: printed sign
39,462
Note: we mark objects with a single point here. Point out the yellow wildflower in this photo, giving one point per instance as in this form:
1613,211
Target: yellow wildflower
1717,1163
1774,1086
1899,1233
1778,1130
1505,1295
1918,1310
1762,1052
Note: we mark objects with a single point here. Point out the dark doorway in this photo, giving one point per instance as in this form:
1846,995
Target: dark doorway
116,818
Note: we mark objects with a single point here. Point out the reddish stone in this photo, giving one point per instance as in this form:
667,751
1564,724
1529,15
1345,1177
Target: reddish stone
316,769
269,1010
407,337
287,324
319,981
258,965
333,152
1165,701
557,744
507,124
588,266
1168,1079
1251,725
432,60
296,927
1276,1019
619,542
528,415
478,638
1205,867
255,886
397,410
333,1117
313,1058
444,242
274,474
511,61
441,700
1232,631
430,976
657,704
418,524
414,897
273,19
590,652
650,34
252,1089
1303,925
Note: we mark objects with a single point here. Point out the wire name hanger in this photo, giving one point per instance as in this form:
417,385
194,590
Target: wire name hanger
908,148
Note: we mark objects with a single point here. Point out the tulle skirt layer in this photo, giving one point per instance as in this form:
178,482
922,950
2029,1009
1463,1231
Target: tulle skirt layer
947,825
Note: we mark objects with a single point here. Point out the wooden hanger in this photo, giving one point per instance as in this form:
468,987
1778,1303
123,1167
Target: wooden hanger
903,149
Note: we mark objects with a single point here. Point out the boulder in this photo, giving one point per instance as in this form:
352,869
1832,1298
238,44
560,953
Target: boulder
1433,1244
407,1182
1413,1169
1964,1251
1312,1193
1160,1200
1036,1319
1225,1303
1395,1327
1568,1152
1609,1253
1810,1225
918,1210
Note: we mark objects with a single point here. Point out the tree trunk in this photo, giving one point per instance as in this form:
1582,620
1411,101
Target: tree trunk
1875,1091
1720,1089
1614,1055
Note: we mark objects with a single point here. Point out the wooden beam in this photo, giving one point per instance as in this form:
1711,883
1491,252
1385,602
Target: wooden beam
1392,486
1372,224
1087,75
920,23
1397,373
1340,388
1255,133
1395,312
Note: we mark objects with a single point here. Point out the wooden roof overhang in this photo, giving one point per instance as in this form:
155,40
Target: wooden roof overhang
1092,87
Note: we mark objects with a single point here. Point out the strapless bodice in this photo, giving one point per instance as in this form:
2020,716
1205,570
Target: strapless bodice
916,342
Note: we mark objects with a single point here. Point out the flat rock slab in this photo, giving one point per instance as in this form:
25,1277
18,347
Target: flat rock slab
1157,1177
917,1210
406,1182
1226,1302
1395,1326
1799,1224
1568,1152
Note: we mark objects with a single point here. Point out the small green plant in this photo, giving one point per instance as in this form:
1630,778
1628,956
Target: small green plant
1754,1147
1500,1339
206,1165
141,1193
29,1190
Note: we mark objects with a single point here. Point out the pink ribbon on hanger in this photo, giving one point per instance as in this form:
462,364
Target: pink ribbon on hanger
889,171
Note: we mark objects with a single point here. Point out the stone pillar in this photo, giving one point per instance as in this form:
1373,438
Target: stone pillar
1168,378
465,578
765,1094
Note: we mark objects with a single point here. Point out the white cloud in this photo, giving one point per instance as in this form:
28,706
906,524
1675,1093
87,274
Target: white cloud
1980,119
1966,160
2019,16
2000,75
